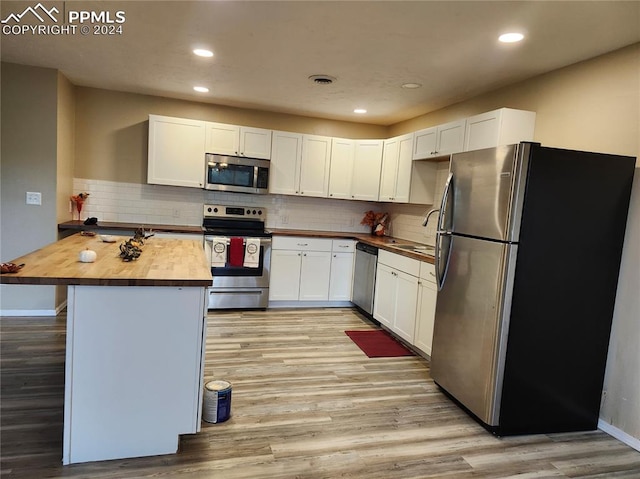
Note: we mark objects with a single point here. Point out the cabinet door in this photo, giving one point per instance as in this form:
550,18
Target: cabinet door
384,302
405,163
482,131
451,138
286,153
366,167
341,168
255,143
425,315
424,144
314,276
314,168
389,169
176,152
405,308
223,139
341,277
284,279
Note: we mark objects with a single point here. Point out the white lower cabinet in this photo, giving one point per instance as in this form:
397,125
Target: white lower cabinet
311,269
315,271
342,264
396,293
426,310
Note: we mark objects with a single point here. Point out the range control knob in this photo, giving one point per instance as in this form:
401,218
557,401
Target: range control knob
209,210
260,212
215,210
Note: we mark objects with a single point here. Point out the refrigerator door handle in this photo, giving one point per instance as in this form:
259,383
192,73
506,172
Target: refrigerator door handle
443,235
444,203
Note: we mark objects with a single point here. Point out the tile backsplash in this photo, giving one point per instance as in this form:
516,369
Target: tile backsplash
111,201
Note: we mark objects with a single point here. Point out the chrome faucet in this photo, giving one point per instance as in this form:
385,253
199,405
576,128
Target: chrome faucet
428,215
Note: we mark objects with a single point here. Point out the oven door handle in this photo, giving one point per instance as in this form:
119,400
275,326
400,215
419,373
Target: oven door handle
209,239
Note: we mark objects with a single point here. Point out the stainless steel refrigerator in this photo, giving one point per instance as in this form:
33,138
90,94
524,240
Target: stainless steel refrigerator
527,257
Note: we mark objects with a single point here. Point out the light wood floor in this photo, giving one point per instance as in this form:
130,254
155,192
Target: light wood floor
307,403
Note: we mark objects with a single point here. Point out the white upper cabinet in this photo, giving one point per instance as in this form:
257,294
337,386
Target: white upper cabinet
176,152
355,169
314,169
499,127
286,156
341,170
439,140
395,177
299,164
234,140
367,163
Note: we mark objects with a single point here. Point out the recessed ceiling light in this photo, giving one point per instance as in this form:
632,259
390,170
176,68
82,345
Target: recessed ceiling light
360,111
511,37
203,53
411,86
201,89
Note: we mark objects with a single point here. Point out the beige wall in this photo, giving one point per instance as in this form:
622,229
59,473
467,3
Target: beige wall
28,163
65,154
593,105
112,129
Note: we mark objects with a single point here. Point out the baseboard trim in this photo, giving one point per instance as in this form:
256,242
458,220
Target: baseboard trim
310,304
28,312
619,434
61,307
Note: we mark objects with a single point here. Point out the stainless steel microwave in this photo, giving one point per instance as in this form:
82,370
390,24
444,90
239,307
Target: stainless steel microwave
234,173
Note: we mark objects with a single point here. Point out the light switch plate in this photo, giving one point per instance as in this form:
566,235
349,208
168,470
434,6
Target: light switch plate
34,198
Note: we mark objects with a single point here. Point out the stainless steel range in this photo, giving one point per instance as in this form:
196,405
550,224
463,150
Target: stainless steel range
239,250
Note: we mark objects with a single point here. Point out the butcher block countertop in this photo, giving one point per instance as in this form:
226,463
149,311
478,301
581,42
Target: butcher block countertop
383,242
163,262
77,225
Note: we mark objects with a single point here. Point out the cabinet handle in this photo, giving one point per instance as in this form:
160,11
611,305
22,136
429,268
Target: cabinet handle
432,274
303,244
304,254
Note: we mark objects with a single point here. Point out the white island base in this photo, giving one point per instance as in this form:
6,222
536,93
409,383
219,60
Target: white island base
134,370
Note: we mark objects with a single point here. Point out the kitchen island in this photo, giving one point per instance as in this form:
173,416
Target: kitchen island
134,346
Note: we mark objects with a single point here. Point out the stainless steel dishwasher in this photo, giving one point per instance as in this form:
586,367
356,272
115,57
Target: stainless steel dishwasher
364,276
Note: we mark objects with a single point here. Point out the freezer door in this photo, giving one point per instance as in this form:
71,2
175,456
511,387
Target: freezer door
487,189
471,324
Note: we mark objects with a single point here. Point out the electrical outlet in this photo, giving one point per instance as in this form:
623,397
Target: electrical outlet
284,219
34,198
176,213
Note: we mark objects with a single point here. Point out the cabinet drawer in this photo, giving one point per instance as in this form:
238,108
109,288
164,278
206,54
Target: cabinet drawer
343,246
301,243
428,272
402,263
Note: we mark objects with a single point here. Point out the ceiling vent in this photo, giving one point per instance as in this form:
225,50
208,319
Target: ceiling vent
322,79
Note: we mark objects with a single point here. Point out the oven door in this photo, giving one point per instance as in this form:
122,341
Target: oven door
230,173
228,276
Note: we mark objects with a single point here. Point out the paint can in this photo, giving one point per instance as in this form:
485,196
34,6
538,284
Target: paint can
216,405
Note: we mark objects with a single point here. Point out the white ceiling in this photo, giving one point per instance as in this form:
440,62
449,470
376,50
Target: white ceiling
266,50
